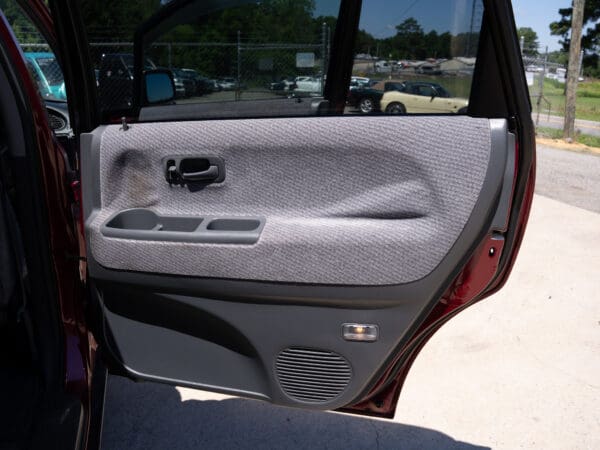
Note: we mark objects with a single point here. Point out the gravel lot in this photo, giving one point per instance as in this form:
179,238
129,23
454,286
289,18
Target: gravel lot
518,370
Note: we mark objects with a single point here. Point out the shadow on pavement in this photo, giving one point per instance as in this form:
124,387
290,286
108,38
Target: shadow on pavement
153,416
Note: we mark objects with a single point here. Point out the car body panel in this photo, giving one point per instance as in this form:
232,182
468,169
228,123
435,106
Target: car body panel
423,97
79,354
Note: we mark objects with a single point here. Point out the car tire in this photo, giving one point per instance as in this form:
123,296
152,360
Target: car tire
462,110
395,108
366,105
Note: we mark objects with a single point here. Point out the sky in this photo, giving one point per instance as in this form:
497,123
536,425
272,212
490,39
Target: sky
379,17
529,13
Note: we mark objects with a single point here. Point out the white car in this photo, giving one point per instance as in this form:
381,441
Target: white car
309,84
228,83
360,82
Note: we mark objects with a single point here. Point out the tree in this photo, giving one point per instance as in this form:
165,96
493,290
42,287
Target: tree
590,42
409,40
529,38
365,43
24,30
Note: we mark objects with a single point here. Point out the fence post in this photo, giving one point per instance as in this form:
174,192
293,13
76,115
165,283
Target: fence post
522,45
323,55
239,66
541,87
328,45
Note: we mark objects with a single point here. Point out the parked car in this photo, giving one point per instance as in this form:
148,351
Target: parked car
187,78
429,69
357,82
383,67
422,97
273,248
213,85
230,84
310,85
205,86
48,76
46,71
367,98
285,84
202,85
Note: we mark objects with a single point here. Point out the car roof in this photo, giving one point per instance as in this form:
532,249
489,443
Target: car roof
117,55
380,85
421,83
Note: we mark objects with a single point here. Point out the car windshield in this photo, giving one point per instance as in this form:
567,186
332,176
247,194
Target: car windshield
51,70
48,76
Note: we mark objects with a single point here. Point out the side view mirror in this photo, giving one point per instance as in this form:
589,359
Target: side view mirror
159,87
434,94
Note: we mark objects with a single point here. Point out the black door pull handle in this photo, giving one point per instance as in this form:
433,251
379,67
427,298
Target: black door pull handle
212,173
201,169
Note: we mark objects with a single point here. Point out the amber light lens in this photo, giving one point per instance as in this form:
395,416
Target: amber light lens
360,332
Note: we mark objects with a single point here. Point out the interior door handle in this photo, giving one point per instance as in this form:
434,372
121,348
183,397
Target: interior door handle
212,173
193,169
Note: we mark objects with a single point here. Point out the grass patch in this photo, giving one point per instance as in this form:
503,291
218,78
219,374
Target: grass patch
551,133
590,141
588,99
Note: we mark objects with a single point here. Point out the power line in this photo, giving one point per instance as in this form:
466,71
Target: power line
401,16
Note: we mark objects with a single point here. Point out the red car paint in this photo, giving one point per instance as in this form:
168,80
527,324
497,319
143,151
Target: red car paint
79,344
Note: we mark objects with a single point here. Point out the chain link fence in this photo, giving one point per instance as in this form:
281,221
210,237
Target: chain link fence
546,80
217,71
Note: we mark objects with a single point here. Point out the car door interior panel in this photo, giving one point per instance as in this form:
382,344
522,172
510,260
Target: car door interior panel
314,226
328,207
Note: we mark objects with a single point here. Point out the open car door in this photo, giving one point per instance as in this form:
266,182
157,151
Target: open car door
279,248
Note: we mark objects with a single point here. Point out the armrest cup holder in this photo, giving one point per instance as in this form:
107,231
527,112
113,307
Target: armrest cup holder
143,224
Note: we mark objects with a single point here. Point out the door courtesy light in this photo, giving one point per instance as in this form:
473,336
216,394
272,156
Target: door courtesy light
360,332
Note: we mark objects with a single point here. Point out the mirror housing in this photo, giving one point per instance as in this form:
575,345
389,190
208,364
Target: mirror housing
158,87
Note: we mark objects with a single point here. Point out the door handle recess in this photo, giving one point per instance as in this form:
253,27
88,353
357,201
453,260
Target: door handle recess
201,169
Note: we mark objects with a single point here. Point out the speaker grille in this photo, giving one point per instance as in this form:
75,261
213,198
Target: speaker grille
56,122
312,376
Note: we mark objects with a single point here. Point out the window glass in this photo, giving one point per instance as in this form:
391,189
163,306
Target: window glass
245,58
252,53
414,53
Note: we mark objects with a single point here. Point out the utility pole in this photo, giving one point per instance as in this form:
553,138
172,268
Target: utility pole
573,69
471,29
522,45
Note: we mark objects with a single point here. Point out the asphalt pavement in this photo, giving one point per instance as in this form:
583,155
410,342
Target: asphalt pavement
569,177
517,370
583,126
